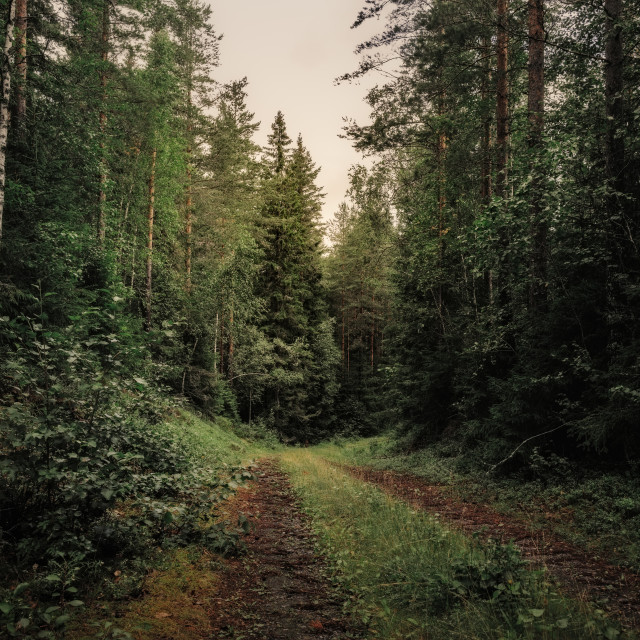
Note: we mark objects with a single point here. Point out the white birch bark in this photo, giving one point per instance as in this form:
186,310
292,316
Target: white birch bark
4,102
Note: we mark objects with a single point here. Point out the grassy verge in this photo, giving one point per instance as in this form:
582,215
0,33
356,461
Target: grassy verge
410,577
597,509
213,444
167,591
178,593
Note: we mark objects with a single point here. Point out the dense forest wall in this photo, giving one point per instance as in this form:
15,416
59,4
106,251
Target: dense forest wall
137,205
508,136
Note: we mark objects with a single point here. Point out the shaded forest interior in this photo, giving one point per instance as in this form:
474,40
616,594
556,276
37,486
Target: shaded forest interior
477,291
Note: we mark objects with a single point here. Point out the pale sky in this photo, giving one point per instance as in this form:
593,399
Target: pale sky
291,52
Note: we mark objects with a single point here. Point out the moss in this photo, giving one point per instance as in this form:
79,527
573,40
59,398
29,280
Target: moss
175,603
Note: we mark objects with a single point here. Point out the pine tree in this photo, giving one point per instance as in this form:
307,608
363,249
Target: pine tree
290,283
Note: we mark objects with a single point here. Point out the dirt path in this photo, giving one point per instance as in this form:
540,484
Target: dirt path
278,590
613,589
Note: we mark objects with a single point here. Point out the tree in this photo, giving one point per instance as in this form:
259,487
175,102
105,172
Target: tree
537,293
359,274
290,285
21,62
4,102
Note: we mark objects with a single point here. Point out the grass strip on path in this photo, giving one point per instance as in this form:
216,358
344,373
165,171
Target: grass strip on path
411,577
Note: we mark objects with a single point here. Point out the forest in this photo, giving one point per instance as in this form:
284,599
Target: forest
173,304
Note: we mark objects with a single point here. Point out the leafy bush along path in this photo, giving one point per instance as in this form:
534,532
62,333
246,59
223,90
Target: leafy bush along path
613,589
278,590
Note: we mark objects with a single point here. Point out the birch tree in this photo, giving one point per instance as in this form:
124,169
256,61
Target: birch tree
4,101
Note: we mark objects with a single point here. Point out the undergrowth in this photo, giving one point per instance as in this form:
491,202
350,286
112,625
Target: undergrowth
409,577
99,472
598,509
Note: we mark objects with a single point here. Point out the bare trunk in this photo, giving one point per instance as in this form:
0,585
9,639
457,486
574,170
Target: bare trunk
133,259
188,226
502,97
231,347
441,154
486,144
342,312
104,57
150,218
21,63
373,328
215,339
189,199
222,342
442,201
348,345
537,290
486,184
4,103
614,85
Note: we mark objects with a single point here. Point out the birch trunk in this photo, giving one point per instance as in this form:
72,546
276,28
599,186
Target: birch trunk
4,103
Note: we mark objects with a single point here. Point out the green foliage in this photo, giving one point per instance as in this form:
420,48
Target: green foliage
79,438
408,576
359,275
495,338
296,382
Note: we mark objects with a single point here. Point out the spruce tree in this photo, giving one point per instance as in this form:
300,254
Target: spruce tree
290,283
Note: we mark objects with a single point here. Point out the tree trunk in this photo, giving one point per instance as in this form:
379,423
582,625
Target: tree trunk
614,58
442,201
21,64
502,97
231,348
188,224
441,154
222,343
348,345
189,199
4,102
373,328
150,218
486,189
486,185
537,290
342,312
104,57
133,259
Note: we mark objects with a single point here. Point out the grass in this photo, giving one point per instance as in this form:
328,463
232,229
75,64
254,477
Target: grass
213,444
596,509
410,577
167,593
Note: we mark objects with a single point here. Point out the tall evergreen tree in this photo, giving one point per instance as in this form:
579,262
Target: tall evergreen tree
290,283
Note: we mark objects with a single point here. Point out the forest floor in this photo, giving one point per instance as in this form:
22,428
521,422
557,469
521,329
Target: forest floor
278,589
580,575
338,551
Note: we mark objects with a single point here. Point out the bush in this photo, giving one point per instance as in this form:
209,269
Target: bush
89,479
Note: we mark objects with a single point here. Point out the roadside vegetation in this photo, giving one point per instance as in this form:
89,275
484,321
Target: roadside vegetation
594,507
130,493
409,576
